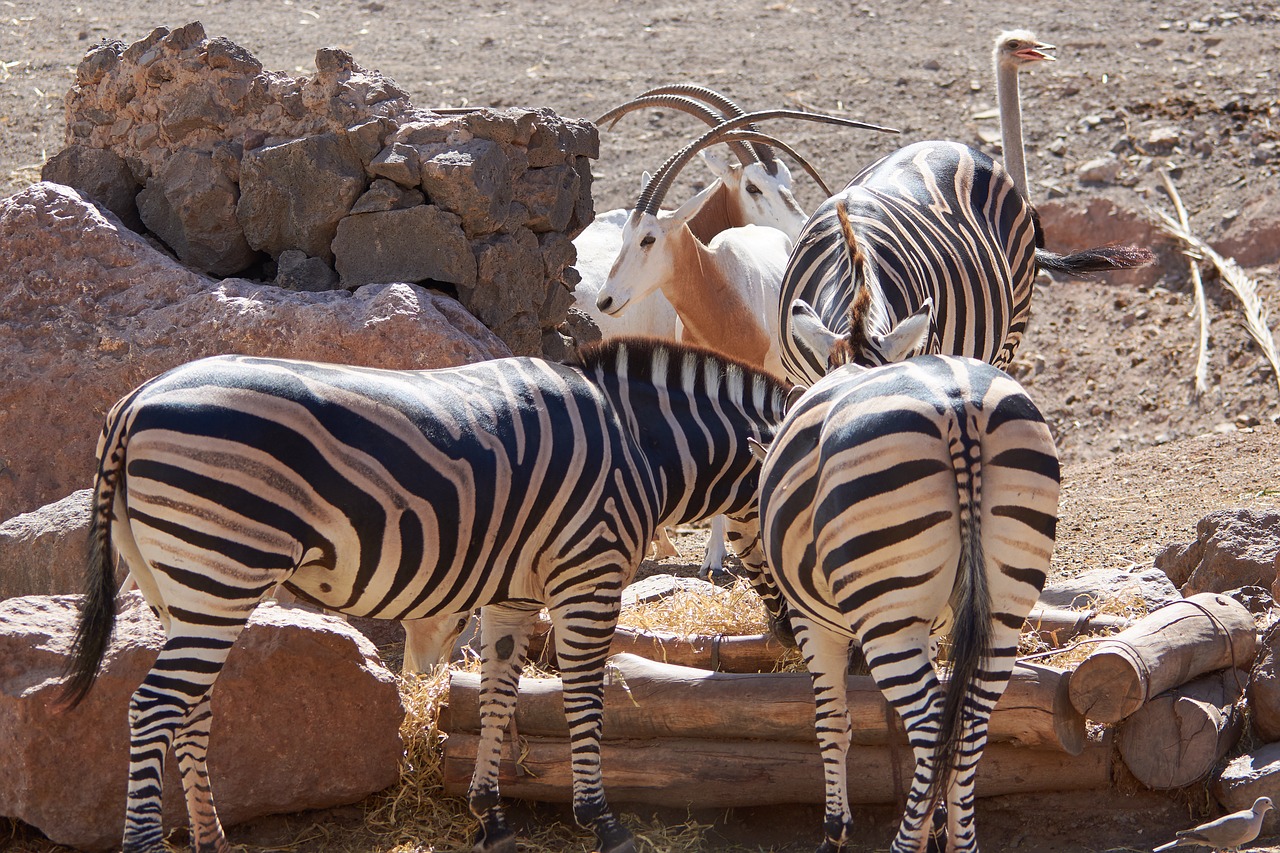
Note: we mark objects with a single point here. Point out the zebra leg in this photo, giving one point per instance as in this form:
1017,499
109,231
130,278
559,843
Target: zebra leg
899,662
713,561
584,625
191,748
504,639
743,537
826,654
980,702
173,699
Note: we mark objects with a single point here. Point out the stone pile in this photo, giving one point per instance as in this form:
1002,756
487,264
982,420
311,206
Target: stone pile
336,180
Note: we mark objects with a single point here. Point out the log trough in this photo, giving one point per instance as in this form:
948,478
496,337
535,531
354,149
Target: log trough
708,722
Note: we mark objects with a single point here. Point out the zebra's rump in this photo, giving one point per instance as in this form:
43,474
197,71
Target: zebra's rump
868,485
935,220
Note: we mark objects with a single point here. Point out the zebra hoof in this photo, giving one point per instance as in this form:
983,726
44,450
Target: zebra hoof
616,840
504,842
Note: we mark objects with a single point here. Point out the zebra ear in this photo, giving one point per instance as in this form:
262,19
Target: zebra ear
909,337
808,330
758,449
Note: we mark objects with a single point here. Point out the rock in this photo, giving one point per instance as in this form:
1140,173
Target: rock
305,717
295,271
42,552
98,174
293,195
1264,689
384,195
90,310
1247,777
509,302
470,180
1232,548
417,244
1162,140
397,162
1253,237
1081,591
550,195
190,204
1102,170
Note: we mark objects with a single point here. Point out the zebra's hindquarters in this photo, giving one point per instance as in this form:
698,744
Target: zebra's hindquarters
893,500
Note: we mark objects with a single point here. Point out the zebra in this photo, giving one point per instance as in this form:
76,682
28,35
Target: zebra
507,485
900,501
934,220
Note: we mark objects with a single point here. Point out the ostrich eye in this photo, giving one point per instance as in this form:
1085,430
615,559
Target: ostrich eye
752,189
646,240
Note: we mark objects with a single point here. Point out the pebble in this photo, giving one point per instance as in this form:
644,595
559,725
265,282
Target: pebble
1102,170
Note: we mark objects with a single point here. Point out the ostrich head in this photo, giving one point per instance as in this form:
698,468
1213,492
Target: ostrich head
1019,48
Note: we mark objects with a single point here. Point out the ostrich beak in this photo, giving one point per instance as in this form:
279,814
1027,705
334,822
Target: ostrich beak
1035,53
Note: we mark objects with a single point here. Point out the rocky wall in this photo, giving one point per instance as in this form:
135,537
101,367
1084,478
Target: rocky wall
331,181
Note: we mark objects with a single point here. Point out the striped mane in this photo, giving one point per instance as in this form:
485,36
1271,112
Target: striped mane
667,364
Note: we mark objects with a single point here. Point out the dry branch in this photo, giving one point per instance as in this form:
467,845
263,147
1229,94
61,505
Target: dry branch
1236,281
1197,289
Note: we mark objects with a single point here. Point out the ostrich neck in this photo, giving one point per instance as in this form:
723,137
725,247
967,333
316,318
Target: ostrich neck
1011,126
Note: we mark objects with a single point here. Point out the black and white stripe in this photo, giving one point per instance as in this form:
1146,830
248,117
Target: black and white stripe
896,502
509,485
934,221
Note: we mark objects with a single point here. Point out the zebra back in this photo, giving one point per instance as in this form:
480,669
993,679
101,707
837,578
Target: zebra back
934,220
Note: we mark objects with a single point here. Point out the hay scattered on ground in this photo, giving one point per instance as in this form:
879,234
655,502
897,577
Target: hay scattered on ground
734,610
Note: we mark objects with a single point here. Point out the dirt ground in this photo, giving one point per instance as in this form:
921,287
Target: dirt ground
1109,363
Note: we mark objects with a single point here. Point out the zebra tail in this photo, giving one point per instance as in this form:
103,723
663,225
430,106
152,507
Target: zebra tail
98,610
971,638
1099,259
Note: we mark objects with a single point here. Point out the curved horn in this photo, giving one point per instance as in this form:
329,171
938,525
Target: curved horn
656,189
763,153
766,139
688,105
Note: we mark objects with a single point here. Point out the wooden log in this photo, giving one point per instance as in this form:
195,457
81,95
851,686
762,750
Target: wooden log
719,652
1056,626
694,773
1178,737
647,699
1162,650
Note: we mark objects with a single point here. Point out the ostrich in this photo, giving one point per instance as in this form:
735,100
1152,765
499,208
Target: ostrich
1015,50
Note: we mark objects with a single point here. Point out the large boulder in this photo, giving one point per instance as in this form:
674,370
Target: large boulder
1087,589
1233,548
304,717
89,310
42,552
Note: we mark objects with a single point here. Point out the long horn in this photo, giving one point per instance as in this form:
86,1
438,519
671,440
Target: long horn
727,107
775,142
745,153
653,193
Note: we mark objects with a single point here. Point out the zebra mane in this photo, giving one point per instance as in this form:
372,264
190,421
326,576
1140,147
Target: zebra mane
667,364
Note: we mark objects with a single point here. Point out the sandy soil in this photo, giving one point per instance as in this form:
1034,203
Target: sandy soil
1110,363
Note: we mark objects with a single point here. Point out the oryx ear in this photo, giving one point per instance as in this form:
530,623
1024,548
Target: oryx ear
716,162
758,449
808,330
793,397
645,178
909,337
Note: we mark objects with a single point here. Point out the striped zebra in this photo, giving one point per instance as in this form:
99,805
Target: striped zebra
897,502
933,221
509,485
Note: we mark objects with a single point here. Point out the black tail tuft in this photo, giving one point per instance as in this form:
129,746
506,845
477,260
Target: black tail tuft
1101,259
97,614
